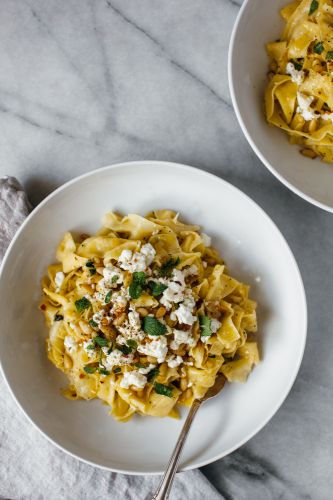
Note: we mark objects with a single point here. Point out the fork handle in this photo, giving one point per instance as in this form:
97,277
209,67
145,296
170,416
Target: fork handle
163,489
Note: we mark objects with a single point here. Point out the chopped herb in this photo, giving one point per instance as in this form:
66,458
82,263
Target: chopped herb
90,263
92,271
117,369
329,55
162,389
93,323
132,344
136,287
313,7
156,288
82,304
114,278
124,349
139,365
58,317
90,369
298,65
318,47
91,346
101,341
205,325
154,327
103,371
152,374
167,268
108,297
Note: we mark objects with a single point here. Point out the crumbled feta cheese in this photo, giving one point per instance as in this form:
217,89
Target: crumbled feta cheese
207,240
173,294
119,303
89,347
174,361
296,76
116,357
146,370
139,261
181,337
134,378
59,278
112,276
215,325
157,348
149,252
190,271
327,116
98,316
183,315
178,277
304,107
70,344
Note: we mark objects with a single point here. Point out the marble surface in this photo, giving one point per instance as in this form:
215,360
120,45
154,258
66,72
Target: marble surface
87,83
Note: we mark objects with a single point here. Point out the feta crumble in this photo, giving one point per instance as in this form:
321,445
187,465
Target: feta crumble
174,361
215,325
116,357
304,107
157,349
139,261
146,370
296,76
207,240
58,279
70,344
181,337
134,378
89,348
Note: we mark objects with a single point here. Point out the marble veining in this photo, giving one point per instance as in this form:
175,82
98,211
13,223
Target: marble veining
87,83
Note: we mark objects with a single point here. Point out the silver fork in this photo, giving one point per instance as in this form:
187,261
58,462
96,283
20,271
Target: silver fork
164,487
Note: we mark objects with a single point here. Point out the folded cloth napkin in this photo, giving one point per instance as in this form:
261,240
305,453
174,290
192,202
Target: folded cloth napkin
30,466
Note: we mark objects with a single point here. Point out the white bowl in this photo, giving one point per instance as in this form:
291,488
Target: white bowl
252,246
259,22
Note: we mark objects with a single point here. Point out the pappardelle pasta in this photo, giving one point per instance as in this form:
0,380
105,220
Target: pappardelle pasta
299,96
144,315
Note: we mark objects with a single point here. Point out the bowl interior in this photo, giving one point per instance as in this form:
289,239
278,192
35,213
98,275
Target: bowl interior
254,250
259,23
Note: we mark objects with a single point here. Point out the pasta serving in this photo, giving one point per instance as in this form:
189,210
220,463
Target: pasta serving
144,315
299,95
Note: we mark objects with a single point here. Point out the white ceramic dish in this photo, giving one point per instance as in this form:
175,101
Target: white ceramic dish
252,246
259,22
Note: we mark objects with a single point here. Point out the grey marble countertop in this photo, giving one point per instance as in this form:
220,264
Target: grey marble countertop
84,84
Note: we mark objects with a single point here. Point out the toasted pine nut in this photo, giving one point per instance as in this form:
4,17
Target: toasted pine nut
312,125
160,312
143,311
85,328
309,153
120,319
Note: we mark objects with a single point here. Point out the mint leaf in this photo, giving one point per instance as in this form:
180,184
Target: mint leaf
58,317
90,369
313,7
82,304
101,341
205,325
136,287
114,278
90,263
168,266
117,369
93,323
125,349
132,343
298,64
139,365
156,288
139,277
103,371
152,326
162,389
108,297
152,374
318,47
329,55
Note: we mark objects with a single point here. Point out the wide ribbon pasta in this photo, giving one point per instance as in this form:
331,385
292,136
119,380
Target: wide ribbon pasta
144,315
299,95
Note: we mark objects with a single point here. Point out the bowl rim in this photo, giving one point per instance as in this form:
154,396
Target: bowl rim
246,131
304,319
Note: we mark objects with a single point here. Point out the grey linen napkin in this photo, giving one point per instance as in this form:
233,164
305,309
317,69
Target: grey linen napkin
30,466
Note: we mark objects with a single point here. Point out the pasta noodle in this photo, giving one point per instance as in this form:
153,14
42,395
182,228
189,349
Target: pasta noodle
143,315
299,95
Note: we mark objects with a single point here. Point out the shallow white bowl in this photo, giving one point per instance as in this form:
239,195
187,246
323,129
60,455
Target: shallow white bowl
252,246
259,22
